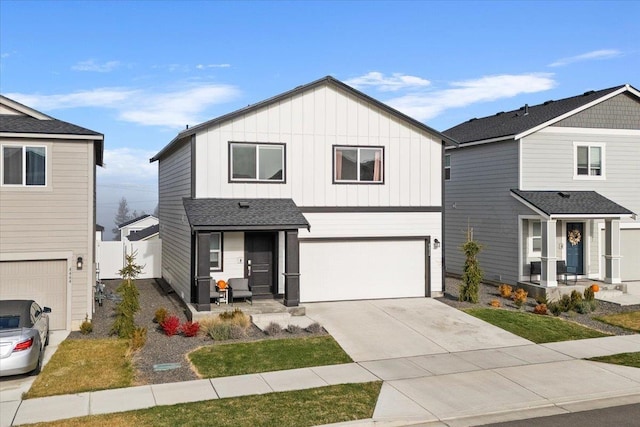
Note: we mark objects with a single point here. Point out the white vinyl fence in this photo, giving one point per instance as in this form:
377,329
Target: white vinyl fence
110,258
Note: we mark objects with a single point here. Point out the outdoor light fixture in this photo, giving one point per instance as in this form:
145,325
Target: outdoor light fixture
79,263
436,244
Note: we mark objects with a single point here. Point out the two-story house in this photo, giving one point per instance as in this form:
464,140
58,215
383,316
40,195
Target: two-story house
553,182
48,212
320,193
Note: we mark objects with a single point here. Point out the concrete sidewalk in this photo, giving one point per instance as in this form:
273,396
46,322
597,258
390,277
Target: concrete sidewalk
458,388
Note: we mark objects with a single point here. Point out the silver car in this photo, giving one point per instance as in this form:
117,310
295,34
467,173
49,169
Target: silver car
24,333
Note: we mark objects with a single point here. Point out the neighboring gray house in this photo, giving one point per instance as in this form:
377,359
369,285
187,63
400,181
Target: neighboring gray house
546,183
47,212
320,193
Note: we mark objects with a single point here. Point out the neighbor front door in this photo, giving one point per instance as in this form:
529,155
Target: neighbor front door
575,247
260,260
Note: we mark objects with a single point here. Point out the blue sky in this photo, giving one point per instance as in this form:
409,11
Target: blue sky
138,72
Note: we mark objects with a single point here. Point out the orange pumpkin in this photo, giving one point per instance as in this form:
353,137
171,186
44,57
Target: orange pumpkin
222,284
595,287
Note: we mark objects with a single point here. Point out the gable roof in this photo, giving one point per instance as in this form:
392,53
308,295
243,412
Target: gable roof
29,123
325,81
571,203
131,221
517,123
134,236
244,214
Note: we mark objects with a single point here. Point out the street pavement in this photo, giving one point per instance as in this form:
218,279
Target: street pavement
439,366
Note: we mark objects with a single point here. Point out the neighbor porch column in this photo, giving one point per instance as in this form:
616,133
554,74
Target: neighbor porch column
612,251
292,269
203,273
548,276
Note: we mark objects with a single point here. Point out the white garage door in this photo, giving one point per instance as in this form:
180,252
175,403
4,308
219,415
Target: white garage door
630,250
42,281
332,270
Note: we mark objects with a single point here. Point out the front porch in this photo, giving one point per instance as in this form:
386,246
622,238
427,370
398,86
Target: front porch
625,293
259,306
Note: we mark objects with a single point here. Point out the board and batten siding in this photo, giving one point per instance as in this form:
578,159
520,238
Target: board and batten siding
478,196
309,124
174,183
45,222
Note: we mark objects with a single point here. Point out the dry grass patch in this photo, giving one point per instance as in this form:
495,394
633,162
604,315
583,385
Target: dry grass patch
85,365
630,320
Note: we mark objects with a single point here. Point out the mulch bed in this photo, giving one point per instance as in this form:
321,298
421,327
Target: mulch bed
159,348
490,292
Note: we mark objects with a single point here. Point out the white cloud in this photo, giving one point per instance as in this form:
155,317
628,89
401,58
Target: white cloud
204,67
589,56
128,166
379,81
92,65
426,105
172,109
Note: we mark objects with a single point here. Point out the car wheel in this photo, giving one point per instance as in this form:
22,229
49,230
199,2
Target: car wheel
38,368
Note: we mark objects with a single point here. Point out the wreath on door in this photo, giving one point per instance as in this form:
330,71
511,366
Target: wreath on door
574,237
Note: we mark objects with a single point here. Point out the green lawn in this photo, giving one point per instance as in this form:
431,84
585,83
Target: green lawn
626,359
222,360
534,327
630,320
298,408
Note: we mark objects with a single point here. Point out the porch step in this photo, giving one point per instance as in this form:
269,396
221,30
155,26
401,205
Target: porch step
282,319
609,294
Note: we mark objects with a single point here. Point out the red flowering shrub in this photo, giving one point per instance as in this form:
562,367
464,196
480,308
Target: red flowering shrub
170,325
190,329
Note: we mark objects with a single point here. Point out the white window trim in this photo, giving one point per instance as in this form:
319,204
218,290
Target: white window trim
358,180
211,236
530,252
258,146
603,157
24,165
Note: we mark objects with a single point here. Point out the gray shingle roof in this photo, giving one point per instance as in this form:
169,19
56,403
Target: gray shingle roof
572,203
12,123
144,233
136,219
227,214
514,122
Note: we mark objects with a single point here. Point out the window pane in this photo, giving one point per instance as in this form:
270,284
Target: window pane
583,162
12,165
244,161
537,229
447,174
214,260
214,242
370,164
595,160
346,164
271,163
537,244
447,161
35,166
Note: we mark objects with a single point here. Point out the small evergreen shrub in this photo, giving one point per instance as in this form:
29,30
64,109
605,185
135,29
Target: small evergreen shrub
519,297
564,303
540,309
273,329
138,339
86,327
583,307
124,325
589,295
472,274
293,329
576,299
171,325
554,308
160,315
505,290
495,303
220,331
314,328
190,329
542,299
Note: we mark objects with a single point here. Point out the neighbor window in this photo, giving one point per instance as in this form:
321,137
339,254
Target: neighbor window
536,236
256,162
589,160
24,165
358,164
215,252
447,167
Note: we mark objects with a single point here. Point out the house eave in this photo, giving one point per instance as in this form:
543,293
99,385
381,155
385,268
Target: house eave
482,142
51,136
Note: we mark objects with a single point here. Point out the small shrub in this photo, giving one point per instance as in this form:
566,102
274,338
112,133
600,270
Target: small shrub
138,339
576,299
86,327
273,329
542,299
293,329
236,331
170,325
593,304
220,331
589,295
564,303
505,290
519,297
241,320
228,315
554,308
472,274
495,303
314,328
190,329
161,315
583,307
540,309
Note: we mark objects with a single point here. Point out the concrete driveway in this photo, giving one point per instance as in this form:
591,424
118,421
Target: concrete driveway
395,328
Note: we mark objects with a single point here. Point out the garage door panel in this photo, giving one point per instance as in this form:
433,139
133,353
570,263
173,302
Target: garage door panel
43,281
630,250
351,270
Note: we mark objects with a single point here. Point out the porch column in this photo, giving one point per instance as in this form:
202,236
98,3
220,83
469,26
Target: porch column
203,273
292,269
612,251
548,275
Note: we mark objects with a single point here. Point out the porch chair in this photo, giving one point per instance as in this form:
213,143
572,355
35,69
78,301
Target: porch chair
240,288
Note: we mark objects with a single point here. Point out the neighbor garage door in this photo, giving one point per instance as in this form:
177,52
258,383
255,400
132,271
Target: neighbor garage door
630,250
42,281
332,270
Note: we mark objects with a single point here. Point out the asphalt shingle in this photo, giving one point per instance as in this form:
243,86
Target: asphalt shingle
12,123
572,203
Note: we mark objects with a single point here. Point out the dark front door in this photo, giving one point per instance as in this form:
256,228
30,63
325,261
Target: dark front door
260,261
575,247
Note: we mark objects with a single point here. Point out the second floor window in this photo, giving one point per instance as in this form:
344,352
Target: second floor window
447,167
589,160
358,164
215,252
24,165
256,162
